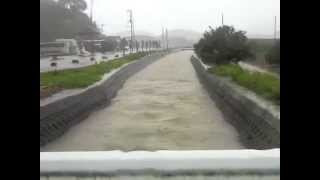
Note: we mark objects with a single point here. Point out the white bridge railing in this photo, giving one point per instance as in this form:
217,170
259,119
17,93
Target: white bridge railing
165,161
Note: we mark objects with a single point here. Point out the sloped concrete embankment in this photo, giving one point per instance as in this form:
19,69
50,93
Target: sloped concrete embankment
259,128
57,117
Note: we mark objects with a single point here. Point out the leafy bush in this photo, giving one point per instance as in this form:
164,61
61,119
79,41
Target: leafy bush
263,84
223,45
273,55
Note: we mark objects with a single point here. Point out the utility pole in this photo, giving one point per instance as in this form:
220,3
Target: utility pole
102,28
275,28
167,40
91,12
133,33
162,36
222,19
132,30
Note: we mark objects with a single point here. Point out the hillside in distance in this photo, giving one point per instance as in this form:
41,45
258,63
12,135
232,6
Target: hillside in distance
263,36
139,35
185,34
182,38
177,37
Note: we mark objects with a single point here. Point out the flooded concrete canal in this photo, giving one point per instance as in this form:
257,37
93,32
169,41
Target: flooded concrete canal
164,106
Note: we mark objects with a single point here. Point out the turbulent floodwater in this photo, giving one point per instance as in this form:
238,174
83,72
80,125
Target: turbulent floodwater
162,107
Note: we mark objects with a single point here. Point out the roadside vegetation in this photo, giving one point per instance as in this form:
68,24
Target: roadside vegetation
52,82
273,55
263,84
259,47
224,47
266,54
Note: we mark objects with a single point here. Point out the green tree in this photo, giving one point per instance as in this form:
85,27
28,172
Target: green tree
123,45
273,55
142,45
137,45
108,45
147,45
130,43
57,21
154,44
223,45
150,44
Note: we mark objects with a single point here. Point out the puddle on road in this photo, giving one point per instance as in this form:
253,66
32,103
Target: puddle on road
162,107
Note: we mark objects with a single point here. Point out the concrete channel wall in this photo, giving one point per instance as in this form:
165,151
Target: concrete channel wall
258,126
57,117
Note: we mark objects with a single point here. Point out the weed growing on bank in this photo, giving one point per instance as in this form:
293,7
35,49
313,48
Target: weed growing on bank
263,84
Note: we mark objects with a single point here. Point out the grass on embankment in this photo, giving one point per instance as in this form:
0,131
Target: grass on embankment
263,84
81,77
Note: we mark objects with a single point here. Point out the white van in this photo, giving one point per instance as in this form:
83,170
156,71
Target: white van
59,48
53,48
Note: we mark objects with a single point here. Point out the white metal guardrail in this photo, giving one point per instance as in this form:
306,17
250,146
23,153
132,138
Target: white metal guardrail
112,161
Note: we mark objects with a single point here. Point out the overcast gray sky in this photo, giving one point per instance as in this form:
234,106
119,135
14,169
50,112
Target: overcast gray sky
253,16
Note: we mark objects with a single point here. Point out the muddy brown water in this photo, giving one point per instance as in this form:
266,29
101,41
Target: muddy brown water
164,106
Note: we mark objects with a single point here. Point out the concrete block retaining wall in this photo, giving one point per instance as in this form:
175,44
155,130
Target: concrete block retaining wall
56,118
259,128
